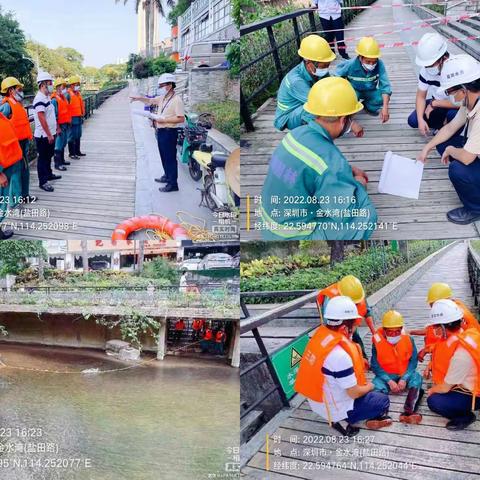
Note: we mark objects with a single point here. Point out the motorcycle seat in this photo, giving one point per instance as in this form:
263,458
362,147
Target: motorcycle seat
219,159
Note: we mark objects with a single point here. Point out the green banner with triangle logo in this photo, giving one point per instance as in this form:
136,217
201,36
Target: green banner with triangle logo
287,361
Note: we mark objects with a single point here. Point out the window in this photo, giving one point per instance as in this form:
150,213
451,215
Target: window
219,47
221,14
185,39
201,28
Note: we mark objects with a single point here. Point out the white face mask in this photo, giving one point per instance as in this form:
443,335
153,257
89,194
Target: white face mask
162,91
369,67
19,96
346,129
394,340
64,91
76,88
432,70
50,88
457,103
321,72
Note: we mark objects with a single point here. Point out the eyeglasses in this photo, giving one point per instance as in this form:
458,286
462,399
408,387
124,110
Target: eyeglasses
451,91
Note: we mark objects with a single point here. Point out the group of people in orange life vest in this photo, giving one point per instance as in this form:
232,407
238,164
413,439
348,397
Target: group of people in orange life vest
332,373
210,341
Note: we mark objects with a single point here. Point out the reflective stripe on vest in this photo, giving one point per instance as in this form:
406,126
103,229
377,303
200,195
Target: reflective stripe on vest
64,115
363,79
10,151
311,378
307,156
285,232
393,358
76,104
283,107
19,120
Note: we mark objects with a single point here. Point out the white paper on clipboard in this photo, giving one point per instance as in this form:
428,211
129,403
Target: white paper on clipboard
400,176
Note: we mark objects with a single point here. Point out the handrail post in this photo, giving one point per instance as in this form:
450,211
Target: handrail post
311,17
296,30
245,113
276,56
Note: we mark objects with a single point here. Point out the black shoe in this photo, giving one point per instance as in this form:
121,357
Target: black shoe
77,149
72,155
66,163
47,187
169,188
5,234
59,167
62,158
348,431
462,216
80,154
55,177
461,424
162,179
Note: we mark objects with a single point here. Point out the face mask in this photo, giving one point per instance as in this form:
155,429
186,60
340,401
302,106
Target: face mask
457,103
64,91
347,128
19,96
394,340
321,72
369,67
50,88
76,88
162,91
432,70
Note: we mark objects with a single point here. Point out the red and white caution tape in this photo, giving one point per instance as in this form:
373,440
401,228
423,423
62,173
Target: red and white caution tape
398,5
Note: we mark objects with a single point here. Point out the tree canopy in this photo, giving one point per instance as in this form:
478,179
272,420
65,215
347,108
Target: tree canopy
13,255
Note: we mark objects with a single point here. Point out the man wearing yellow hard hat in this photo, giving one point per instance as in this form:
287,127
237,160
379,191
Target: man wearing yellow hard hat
369,78
77,111
12,108
293,91
394,362
311,192
349,286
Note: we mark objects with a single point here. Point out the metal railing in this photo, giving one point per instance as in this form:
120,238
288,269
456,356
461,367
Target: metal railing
473,263
277,51
252,324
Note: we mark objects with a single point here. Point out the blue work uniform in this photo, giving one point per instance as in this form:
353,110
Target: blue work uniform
411,376
310,192
19,180
369,86
292,95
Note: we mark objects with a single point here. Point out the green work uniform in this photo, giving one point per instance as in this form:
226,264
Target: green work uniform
369,86
291,97
310,192
18,173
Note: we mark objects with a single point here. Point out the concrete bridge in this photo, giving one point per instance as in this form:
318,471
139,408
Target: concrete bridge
433,451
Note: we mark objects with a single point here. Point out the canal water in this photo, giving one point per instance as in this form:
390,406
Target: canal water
171,420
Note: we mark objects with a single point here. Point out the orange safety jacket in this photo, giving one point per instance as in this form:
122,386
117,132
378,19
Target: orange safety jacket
332,291
393,358
310,377
220,337
19,119
179,325
208,334
469,319
64,115
444,351
77,106
10,151
197,324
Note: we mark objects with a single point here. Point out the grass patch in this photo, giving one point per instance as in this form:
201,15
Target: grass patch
227,119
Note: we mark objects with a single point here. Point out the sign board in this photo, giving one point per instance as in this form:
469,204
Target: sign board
286,363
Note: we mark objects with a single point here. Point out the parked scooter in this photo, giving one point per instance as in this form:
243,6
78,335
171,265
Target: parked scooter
217,195
190,138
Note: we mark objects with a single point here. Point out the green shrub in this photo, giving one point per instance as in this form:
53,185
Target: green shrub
160,269
163,64
143,68
233,54
226,115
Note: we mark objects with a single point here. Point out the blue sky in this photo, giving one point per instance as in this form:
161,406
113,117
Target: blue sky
101,30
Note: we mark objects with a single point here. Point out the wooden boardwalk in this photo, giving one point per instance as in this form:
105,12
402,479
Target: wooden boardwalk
423,218
431,451
97,191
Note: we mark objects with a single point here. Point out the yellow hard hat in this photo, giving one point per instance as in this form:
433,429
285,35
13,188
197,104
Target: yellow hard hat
439,291
392,319
9,82
368,47
332,97
351,286
316,48
59,81
74,79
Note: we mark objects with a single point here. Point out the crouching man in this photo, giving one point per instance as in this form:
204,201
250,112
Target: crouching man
332,374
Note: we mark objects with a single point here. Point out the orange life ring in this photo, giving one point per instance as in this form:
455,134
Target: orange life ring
155,222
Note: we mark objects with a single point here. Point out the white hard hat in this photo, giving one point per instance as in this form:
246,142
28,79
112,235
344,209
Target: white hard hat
339,309
444,311
459,70
44,76
166,78
430,48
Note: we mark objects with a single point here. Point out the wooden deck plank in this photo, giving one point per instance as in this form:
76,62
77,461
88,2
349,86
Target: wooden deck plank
437,194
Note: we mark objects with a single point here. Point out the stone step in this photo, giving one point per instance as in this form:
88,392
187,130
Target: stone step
470,46
250,424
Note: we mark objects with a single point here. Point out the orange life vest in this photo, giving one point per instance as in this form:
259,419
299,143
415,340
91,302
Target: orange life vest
393,358
197,324
10,151
469,319
63,108
19,119
208,334
220,337
333,291
180,325
77,107
431,337
444,351
310,378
